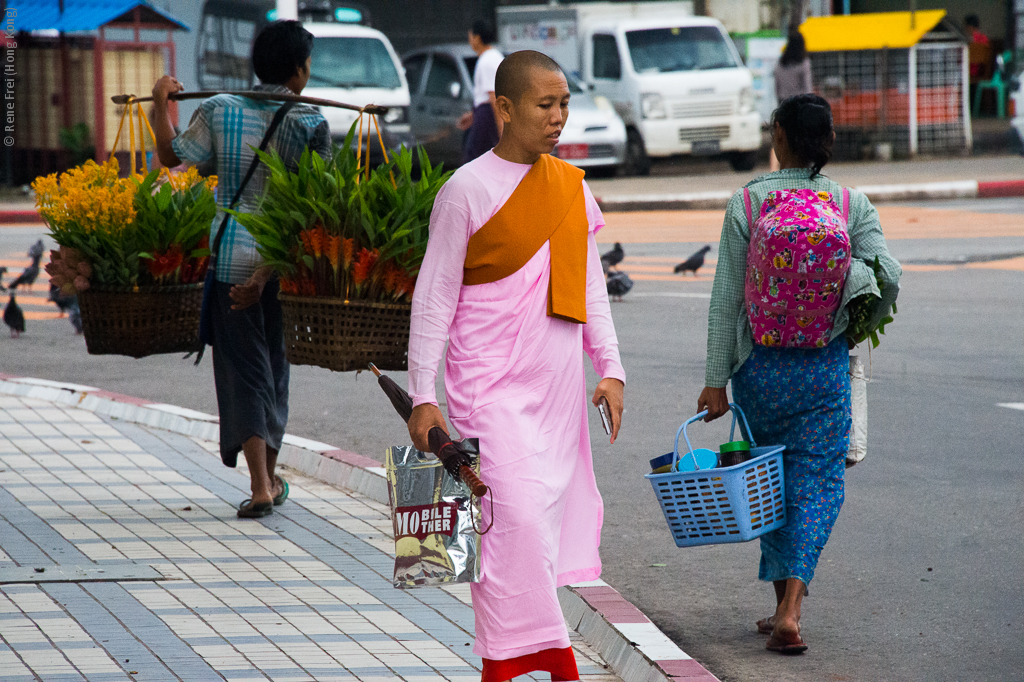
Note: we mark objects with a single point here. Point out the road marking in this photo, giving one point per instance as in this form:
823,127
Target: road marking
1012,406
670,294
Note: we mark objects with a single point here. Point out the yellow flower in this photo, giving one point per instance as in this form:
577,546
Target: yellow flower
87,198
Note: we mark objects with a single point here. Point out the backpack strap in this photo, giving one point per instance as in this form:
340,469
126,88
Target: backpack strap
746,204
846,204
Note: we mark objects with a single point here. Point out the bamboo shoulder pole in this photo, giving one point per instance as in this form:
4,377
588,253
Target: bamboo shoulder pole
257,95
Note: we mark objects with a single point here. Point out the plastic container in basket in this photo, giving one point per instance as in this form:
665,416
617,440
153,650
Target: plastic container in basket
733,504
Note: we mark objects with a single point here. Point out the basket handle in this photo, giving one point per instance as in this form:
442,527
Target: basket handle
736,410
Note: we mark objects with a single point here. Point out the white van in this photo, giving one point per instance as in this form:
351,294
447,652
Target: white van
676,80
352,62
357,65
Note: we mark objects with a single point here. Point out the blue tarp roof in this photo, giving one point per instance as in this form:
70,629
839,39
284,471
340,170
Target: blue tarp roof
80,15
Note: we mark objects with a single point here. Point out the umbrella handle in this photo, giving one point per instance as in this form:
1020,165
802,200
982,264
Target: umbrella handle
473,481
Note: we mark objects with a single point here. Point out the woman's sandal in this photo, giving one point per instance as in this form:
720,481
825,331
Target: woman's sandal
766,626
248,510
786,646
279,500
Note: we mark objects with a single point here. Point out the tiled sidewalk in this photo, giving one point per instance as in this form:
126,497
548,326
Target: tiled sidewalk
304,594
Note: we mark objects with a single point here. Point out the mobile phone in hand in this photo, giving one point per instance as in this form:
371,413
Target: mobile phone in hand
605,411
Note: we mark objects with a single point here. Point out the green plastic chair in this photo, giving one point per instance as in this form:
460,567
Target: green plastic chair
998,83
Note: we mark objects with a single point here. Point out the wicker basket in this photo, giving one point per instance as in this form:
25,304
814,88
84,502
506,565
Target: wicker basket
345,335
151,320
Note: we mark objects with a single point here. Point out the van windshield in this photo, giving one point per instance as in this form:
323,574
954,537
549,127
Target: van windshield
352,63
687,48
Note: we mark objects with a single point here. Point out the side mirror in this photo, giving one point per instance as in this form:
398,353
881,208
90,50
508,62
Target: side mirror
455,89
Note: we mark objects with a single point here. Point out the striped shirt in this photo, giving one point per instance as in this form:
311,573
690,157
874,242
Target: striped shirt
223,132
729,336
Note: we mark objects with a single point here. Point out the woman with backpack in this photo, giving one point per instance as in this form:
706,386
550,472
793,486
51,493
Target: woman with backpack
795,249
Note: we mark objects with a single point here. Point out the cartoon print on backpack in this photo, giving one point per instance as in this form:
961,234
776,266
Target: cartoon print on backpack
772,337
800,249
784,259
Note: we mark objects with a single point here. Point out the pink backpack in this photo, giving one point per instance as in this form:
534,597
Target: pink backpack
796,266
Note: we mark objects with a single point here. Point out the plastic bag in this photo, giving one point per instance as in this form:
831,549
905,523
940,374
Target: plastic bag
859,411
434,519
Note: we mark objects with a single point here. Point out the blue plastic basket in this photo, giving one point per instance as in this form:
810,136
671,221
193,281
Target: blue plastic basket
732,504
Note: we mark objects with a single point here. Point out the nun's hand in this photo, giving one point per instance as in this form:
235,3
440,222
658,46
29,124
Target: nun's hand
425,417
715,401
611,390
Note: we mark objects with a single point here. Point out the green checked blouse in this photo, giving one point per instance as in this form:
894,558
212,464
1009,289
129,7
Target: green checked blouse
729,337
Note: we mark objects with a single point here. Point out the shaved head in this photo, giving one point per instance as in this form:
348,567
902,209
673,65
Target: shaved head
514,73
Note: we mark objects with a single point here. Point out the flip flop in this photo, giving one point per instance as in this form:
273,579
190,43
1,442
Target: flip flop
248,510
766,626
279,500
786,648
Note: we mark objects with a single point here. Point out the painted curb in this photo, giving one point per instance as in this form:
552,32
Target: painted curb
20,217
626,639
921,191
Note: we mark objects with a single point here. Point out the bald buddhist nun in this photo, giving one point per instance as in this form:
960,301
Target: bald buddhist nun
512,282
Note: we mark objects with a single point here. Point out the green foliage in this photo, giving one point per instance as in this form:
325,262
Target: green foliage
863,309
167,216
386,212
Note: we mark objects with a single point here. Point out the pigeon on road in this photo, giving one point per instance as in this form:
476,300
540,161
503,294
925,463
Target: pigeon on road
14,318
29,275
694,262
612,258
619,284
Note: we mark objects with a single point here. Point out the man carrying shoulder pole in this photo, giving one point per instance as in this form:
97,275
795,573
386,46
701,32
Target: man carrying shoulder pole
512,281
250,368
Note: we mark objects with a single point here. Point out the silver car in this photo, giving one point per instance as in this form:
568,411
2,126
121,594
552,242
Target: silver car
441,90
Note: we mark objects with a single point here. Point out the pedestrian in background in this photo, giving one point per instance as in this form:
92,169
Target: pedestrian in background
250,370
792,77
483,123
794,396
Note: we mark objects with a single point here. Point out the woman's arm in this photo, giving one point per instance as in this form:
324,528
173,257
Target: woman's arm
433,309
727,294
867,242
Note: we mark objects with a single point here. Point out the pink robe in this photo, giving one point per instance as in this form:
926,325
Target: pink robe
514,379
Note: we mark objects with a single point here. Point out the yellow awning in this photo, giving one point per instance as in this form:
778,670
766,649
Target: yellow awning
868,31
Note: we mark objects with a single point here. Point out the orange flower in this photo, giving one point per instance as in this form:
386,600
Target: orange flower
288,286
163,264
392,278
334,251
364,265
318,235
307,241
406,287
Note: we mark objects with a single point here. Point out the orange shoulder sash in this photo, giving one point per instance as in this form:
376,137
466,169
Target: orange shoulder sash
547,206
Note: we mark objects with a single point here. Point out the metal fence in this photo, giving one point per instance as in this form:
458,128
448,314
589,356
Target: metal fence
913,99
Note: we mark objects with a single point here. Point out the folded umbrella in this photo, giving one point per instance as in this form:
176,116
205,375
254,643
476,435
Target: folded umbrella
456,456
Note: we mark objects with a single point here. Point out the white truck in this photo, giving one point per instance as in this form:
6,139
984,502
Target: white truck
676,80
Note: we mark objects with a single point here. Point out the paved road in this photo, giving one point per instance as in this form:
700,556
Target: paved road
940,489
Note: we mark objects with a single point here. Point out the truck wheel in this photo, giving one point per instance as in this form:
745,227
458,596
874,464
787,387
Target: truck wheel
637,162
743,161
